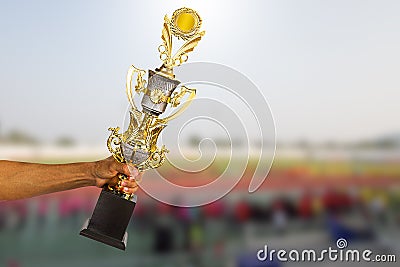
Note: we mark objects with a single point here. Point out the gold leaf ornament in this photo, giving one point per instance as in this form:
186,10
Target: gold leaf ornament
166,48
181,55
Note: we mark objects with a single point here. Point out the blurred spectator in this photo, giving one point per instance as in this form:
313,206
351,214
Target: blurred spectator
340,228
242,211
3,214
164,241
42,211
279,215
184,221
214,209
305,207
13,263
196,237
164,230
335,201
378,206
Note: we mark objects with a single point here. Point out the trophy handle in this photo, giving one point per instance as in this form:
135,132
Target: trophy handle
113,144
140,83
175,101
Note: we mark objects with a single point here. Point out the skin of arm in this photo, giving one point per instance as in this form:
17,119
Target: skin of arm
23,180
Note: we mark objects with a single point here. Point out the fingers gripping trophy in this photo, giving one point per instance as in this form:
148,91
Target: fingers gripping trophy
137,146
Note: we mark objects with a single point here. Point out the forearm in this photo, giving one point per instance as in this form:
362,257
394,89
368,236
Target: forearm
23,180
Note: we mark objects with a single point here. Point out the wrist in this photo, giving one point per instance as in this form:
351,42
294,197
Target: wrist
91,172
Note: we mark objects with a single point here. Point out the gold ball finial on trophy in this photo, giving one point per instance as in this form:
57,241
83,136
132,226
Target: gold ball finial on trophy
184,24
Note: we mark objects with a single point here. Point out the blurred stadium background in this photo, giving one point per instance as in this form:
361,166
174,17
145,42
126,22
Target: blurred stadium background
314,195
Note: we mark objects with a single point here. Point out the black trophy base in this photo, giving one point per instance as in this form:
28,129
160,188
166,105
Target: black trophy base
109,220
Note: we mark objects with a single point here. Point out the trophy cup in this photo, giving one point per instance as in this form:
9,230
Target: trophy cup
137,146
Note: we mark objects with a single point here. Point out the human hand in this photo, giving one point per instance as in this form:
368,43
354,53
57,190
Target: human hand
106,172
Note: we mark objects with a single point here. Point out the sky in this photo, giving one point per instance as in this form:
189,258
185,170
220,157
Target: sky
328,69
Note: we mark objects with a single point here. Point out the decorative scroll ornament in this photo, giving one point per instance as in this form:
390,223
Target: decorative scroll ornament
113,144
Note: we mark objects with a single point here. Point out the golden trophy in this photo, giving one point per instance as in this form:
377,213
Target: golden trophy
137,146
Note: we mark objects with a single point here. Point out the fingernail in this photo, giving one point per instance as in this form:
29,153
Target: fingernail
135,172
124,183
131,178
126,189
